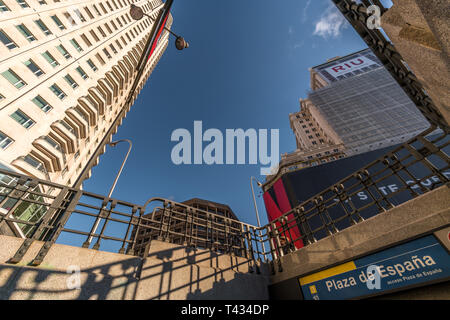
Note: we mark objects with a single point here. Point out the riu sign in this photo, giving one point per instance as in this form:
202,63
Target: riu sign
349,66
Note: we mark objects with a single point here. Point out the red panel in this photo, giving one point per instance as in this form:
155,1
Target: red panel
271,207
285,206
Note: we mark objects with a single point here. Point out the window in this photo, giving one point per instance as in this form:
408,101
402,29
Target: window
3,7
321,141
94,35
41,2
53,143
113,49
86,40
114,25
41,103
92,65
7,40
58,22
23,3
101,31
34,68
107,53
108,28
57,91
80,15
43,27
69,127
14,79
314,142
5,141
33,162
2,97
76,45
89,13
25,32
63,51
103,8
99,57
70,81
82,73
22,119
70,19
50,59
96,10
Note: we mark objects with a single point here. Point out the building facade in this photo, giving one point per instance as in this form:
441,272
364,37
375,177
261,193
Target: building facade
66,70
187,233
354,106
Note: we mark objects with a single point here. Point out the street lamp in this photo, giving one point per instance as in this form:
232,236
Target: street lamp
256,207
97,221
254,200
137,14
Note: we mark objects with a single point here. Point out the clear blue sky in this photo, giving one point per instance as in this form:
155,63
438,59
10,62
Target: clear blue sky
247,67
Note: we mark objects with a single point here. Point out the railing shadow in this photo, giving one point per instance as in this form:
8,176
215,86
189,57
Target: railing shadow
173,273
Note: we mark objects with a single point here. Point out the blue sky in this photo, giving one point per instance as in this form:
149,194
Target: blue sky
247,67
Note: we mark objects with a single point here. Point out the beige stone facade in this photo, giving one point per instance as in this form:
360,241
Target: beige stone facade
420,31
66,68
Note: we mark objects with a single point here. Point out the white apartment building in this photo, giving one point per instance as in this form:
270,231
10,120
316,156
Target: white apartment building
66,69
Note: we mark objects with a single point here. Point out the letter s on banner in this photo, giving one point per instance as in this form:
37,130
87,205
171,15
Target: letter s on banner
374,21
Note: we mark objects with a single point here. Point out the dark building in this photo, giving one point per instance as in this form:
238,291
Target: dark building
210,226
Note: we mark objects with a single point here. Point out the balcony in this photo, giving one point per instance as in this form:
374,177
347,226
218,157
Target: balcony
53,152
80,119
69,137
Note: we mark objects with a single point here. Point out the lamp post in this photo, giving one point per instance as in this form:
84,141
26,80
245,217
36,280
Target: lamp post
137,14
149,47
97,221
256,207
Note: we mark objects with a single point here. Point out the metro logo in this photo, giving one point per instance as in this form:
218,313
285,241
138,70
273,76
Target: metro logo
343,67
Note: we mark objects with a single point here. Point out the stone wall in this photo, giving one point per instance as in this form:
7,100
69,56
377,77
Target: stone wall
169,272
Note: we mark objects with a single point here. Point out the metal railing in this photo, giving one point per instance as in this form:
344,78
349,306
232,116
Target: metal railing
68,216
410,170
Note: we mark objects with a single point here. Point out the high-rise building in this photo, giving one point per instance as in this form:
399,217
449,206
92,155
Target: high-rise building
181,231
66,69
355,106
354,114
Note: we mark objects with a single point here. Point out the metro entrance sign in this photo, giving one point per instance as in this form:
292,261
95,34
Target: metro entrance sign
414,263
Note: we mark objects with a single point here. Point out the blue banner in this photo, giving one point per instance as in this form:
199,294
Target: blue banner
413,263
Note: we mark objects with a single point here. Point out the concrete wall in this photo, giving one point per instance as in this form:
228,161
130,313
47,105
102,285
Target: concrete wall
422,215
420,31
170,272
